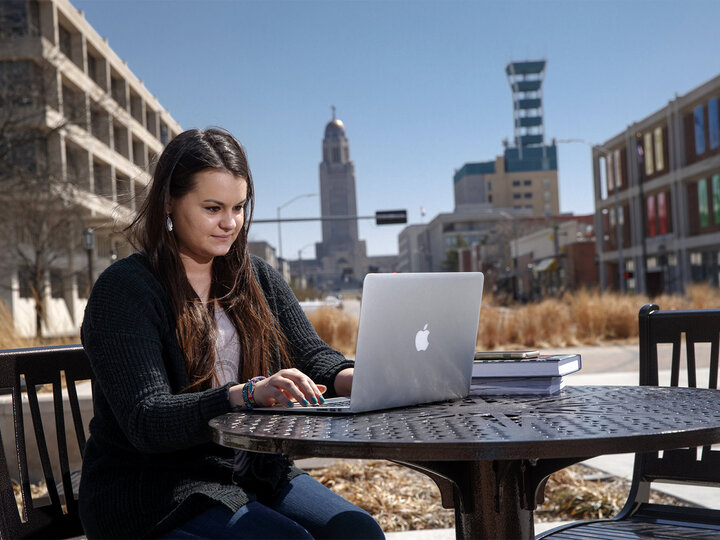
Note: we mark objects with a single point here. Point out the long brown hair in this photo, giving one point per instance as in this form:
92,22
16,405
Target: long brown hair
233,287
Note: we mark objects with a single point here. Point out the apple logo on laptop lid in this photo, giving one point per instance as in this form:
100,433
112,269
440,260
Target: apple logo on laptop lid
421,339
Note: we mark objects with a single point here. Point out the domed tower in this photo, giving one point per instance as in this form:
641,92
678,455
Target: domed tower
340,251
337,189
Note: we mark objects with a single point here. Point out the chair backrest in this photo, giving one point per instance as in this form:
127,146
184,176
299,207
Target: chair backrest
690,465
24,372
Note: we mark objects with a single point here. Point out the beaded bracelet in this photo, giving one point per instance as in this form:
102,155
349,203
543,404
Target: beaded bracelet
251,392
248,393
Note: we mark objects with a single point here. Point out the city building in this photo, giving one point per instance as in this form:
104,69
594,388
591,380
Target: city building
78,134
528,183
341,253
496,201
525,176
555,258
657,197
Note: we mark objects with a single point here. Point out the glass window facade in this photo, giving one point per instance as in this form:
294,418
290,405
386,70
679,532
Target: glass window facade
703,209
659,151
699,130
713,124
716,198
649,159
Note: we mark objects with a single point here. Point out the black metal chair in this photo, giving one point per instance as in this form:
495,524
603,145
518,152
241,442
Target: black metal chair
23,371
691,466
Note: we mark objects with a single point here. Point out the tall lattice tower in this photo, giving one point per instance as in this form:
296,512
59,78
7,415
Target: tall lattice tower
526,80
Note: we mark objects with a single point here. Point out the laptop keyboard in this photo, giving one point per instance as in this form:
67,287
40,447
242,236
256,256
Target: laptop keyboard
336,402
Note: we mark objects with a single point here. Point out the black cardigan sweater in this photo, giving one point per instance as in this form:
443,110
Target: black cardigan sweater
150,463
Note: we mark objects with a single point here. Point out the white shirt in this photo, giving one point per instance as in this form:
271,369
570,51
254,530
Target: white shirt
227,349
227,366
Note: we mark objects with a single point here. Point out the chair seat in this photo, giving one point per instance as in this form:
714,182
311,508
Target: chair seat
628,529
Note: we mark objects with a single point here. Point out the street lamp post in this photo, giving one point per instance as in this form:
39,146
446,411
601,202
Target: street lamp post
88,242
302,265
279,223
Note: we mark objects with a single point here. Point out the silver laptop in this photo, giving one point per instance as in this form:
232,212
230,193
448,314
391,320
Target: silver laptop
415,344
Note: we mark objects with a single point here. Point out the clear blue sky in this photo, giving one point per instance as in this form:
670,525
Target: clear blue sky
419,85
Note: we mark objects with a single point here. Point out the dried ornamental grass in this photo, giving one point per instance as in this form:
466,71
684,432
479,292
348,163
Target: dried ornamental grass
337,328
401,499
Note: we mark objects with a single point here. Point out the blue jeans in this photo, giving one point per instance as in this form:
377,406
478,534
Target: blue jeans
304,509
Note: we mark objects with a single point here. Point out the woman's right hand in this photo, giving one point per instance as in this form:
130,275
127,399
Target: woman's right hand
285,388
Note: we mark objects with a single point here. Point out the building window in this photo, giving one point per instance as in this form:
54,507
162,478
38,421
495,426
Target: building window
617,169
13,19
650,203
659,158
703,210
716,198
546,183
336,155
662,213
65,41
517,195
713,124
648,148
163,133
610,172
489,185
699,130
489,198
527,182
528,195
92,67
516,183
548,210
25,282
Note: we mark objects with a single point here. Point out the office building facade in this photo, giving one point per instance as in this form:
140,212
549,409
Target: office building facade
95,131
657,197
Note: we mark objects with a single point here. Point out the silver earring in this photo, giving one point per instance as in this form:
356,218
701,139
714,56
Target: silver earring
169,224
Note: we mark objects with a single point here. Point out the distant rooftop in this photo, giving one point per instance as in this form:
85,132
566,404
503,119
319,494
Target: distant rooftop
486,167
525,68
534,158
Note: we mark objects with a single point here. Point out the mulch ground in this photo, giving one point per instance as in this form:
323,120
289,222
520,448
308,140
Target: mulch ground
401,499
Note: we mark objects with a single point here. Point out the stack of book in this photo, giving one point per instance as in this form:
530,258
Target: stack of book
521,372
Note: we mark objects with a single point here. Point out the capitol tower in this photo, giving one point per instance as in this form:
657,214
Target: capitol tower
342,256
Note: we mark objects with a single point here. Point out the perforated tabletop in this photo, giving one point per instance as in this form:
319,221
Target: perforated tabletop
583,420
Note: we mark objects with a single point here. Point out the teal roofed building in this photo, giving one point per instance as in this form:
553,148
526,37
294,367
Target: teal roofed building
524,178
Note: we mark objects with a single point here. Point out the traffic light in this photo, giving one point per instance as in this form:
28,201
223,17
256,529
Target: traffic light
390,217
629,275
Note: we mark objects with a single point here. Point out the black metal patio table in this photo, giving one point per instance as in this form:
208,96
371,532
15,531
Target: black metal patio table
491,456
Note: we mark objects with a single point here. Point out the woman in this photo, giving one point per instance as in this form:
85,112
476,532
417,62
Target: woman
170,331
